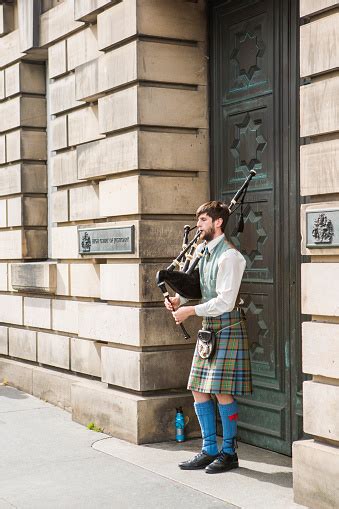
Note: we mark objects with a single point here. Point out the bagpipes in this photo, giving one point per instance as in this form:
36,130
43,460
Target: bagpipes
186,280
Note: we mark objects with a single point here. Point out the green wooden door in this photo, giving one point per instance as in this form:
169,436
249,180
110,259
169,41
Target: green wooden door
254,107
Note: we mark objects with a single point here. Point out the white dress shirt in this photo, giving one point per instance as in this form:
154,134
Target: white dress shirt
231,267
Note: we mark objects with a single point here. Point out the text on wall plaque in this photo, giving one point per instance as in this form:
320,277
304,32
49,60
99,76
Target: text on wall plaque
106,240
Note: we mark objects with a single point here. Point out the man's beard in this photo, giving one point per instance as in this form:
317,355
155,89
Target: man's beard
209,234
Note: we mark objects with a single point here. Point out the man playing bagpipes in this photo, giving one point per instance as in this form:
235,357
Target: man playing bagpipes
221,363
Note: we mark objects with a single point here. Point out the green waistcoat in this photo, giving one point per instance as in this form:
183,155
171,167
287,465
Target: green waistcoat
208,271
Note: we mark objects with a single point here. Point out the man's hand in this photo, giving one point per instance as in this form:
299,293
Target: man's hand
173,304
182,313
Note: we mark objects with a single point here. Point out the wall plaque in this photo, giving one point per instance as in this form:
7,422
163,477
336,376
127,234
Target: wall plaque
106,240
322,228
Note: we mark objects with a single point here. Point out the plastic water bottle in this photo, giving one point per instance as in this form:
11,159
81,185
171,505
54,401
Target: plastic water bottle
179,425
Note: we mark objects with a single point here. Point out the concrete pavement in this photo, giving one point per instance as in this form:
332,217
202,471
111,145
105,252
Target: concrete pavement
49,461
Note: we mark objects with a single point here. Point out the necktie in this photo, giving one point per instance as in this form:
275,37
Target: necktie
207,254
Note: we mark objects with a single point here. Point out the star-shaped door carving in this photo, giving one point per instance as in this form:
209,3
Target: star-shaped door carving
248,145
249,48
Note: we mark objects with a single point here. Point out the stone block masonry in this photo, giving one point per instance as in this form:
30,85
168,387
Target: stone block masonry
316,462
122,122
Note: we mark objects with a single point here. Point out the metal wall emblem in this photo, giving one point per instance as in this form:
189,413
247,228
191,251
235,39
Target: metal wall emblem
106,240
322,228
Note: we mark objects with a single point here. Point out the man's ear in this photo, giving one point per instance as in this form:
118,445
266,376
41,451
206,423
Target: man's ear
218,222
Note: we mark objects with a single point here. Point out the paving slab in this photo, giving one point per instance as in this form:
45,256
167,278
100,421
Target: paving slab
12,400
47,462
264,479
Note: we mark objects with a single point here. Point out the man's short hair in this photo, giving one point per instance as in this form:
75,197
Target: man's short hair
215,209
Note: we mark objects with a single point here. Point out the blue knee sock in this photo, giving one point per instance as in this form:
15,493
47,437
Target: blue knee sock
207,420
229,419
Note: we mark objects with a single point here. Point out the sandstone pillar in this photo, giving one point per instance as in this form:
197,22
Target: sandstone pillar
316,461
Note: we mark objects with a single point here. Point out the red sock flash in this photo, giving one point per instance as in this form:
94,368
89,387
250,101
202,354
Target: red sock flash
233,417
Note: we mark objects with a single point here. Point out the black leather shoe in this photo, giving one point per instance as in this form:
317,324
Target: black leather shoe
201,460
222,463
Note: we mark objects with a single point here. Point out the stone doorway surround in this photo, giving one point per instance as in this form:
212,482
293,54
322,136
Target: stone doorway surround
316,461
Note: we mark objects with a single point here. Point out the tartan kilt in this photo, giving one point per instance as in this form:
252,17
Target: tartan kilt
228,371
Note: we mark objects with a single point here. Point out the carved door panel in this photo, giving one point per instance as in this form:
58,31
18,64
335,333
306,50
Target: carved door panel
252,112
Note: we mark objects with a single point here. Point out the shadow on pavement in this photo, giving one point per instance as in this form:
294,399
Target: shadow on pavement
262,460
11,392
283,479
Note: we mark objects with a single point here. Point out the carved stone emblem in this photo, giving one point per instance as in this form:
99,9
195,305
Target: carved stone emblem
323,230
86,243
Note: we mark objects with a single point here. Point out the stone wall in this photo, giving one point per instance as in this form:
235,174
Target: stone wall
316,461
117,90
